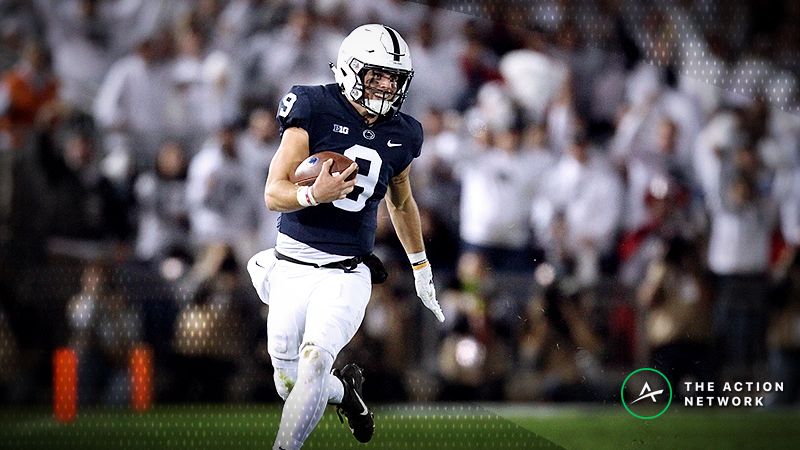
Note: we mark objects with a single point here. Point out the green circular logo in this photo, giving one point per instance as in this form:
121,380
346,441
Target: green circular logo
647,392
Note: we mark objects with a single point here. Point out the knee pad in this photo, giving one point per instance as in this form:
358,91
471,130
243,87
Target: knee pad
284,379
315,360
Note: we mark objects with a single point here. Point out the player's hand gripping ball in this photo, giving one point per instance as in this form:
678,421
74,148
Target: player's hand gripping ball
309,169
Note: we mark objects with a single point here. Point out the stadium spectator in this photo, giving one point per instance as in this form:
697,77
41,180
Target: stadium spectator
82,42
669,212
436,85
676,301
84,205
221,214
27,90
478,65
562,120
532,70
577,213
647,163
741,264
216,191
130,101
652,100
498,186
206,88
257,145
436,167
301,47
162,201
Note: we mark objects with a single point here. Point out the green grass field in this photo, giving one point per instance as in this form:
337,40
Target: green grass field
408,426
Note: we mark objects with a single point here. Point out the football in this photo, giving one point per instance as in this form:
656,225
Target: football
307,171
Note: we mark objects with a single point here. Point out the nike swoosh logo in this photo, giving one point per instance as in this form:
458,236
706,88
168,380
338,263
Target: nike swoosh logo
392,144
358,397
259,265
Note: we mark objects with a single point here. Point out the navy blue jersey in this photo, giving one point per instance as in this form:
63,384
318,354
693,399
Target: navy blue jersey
381,150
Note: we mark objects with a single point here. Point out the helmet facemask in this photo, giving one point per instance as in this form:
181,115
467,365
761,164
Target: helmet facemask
370,89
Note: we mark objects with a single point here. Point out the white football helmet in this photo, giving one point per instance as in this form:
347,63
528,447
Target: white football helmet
380,49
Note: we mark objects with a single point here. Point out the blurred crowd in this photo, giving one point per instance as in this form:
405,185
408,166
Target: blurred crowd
603,186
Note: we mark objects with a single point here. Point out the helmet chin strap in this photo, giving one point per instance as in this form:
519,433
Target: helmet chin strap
363,111
368,115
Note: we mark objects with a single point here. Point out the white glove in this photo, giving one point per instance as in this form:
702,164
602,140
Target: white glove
423,281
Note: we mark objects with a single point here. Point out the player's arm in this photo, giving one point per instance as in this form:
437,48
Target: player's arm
282,195
404,214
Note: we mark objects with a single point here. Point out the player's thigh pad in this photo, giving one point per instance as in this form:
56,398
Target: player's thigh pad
285,376
336,308
291,286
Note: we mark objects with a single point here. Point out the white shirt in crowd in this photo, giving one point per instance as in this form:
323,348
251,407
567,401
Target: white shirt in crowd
132,95
651,104
256,156
717,136
220,209
435,84
203,97
79,62
162,206
740,239
590,197
497,190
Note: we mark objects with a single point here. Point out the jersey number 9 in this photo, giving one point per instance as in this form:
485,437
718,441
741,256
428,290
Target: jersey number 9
286,104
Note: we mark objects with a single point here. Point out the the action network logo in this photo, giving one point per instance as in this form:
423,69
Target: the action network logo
646,393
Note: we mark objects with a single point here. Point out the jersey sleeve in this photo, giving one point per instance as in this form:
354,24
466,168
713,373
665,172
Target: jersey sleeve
294,109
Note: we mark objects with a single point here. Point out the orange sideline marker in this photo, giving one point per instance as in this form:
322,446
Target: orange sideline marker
141,373
65,385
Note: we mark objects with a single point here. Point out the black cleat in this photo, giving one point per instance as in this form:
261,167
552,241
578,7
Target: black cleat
359,417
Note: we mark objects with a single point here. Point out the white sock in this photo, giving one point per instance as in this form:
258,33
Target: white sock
335,390
286,377
306,403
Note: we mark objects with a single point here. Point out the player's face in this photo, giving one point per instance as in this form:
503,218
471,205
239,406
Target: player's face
380,85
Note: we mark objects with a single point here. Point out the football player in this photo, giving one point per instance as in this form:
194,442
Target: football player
317,280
